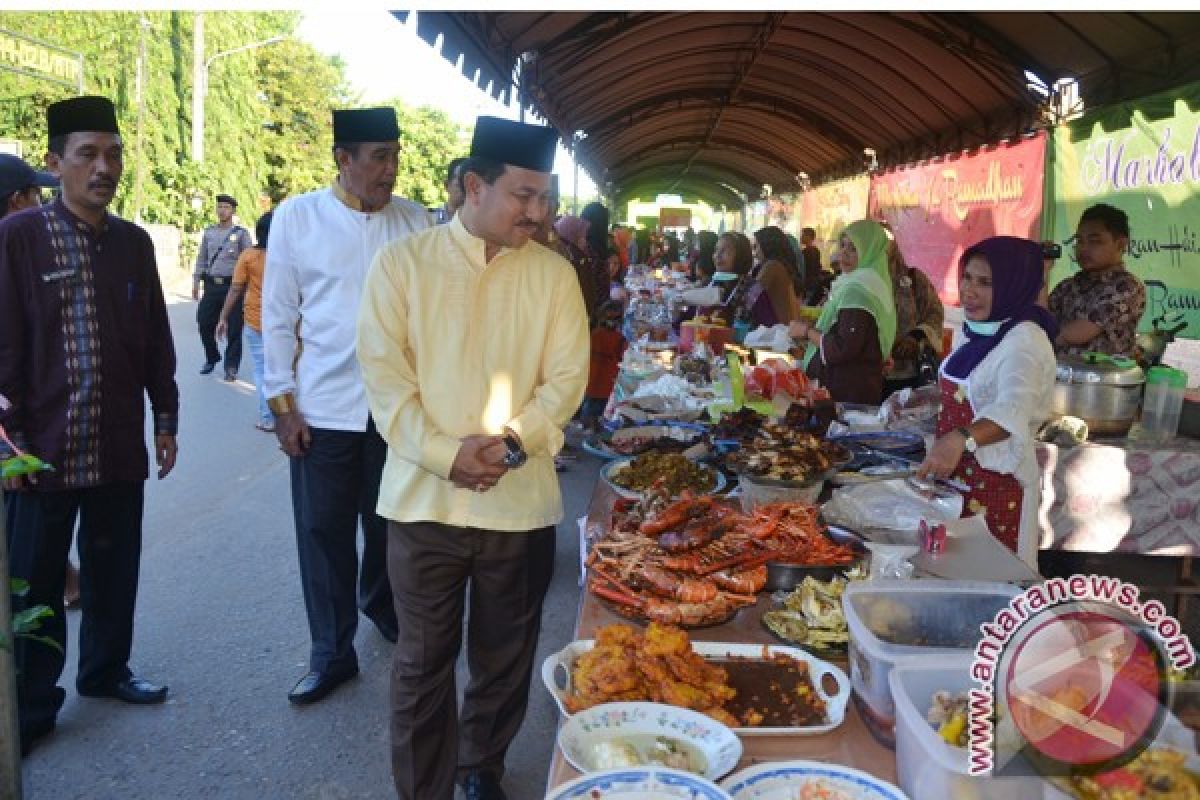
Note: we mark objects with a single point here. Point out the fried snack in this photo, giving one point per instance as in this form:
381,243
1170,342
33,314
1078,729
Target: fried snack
659,666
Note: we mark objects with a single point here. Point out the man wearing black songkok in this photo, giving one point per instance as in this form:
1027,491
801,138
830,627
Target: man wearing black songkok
474,348
78,282
322,243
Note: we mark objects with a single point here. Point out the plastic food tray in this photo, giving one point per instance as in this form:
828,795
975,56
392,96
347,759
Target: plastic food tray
891,620
556,675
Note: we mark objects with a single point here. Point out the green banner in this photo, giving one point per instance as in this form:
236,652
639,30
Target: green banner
1144,158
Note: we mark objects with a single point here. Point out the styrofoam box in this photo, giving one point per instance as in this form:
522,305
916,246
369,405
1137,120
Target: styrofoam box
926,766
935,616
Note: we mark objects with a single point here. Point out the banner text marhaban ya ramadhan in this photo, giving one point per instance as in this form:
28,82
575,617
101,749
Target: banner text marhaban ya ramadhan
958,195
1106,167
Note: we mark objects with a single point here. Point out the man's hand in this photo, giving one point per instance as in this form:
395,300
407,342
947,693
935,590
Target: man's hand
165,450
293,434
479,464
222,328
943,457
195,291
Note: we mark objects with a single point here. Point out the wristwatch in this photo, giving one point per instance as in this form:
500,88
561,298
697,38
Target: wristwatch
514,456
969,443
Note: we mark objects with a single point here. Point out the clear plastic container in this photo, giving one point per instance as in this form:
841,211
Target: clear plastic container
1162,404
926,765
891,620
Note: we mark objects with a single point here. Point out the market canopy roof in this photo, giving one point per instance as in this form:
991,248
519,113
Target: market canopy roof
716,104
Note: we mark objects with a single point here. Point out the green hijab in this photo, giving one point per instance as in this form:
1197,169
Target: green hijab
868,286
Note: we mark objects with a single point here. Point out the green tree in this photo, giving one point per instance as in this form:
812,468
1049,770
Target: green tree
429,140
267,109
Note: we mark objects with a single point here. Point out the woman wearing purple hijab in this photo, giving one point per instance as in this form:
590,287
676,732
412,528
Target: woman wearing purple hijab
996,390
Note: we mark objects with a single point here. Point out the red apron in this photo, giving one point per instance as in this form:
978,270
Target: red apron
995,496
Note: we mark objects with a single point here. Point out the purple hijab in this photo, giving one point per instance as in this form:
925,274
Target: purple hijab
1017,276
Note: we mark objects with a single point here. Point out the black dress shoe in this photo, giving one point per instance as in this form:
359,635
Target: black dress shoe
482,785
315,685
231,375
32,733
132,690
208,367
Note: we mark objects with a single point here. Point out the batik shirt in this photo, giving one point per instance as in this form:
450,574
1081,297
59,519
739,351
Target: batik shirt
84,338
1114,300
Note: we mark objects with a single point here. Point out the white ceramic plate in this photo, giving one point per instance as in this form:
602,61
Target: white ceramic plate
614,467
719,746
556,676
785,780
641,783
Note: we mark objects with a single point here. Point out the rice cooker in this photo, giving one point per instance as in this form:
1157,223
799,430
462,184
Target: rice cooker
1103,391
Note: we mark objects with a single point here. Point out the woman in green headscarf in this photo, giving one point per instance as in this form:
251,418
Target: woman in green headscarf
846,348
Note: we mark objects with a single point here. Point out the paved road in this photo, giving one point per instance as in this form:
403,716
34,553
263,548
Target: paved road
221,620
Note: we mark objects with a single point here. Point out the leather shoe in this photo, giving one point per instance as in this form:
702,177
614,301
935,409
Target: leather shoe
231,375
315,685
133,690
482,785
208,367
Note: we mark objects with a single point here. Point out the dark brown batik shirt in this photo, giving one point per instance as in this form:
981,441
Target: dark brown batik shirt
84,338
1114,300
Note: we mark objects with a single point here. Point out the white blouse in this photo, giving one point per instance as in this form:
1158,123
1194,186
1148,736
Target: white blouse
1013,386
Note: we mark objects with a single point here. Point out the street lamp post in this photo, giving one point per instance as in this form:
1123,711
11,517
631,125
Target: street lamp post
200,67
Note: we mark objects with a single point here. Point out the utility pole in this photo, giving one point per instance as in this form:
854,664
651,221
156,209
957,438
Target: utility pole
200,67
198,87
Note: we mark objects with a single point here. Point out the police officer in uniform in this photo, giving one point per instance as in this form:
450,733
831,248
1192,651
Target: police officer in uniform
220,247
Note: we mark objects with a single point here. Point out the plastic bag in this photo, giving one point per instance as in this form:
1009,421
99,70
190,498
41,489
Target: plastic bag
893,505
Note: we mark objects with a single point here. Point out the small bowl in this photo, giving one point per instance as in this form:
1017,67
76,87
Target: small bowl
719,746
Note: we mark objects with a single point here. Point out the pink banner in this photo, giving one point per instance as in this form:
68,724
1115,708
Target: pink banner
939,208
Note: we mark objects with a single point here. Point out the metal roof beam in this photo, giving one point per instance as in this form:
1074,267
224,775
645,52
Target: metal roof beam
771,23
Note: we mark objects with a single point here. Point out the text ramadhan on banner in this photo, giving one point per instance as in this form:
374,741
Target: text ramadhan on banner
938,209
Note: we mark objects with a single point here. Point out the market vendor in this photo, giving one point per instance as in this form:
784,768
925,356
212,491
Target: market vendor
1098,308
763,294
845,348
997,388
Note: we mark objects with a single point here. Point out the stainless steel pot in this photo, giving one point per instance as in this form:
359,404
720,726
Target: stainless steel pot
1104,392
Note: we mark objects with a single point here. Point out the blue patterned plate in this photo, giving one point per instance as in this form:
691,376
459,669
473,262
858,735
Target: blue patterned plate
639,783
787,780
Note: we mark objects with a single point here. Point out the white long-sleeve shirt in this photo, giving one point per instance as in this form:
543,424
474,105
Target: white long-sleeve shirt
1013,386
317,261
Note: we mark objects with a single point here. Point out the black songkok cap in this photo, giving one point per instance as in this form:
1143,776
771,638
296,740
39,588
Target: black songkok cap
508,142
224,198
89,113
365,125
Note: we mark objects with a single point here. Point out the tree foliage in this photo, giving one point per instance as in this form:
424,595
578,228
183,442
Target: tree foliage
267,111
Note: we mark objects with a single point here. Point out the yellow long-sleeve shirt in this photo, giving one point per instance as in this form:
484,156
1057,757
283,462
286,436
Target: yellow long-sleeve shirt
452,345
